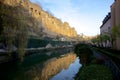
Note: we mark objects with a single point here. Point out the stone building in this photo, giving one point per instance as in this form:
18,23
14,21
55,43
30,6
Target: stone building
115,20
106,25
106,29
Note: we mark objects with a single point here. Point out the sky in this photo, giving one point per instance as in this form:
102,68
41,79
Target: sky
85,16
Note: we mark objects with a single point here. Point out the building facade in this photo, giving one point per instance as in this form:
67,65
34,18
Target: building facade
106,25
112,20
106,29
115,21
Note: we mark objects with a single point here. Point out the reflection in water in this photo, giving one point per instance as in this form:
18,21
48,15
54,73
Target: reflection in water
54,66
48,53
70,73
50,68
40,66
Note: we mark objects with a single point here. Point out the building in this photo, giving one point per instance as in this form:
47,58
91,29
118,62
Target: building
111,21
115,21
106,29
106,25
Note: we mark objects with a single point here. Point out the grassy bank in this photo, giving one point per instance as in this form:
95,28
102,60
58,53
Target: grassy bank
94,72
93,68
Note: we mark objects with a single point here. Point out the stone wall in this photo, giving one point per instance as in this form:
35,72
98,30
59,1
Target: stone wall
115,17
52,25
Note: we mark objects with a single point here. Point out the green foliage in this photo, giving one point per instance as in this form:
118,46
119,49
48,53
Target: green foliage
91,68
36,42
13,27
105,37
84,52
82,48
99,39
116,32
94,40
95,72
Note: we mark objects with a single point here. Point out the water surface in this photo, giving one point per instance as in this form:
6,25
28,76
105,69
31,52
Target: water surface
52,65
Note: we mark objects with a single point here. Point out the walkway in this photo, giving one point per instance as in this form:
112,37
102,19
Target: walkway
111,64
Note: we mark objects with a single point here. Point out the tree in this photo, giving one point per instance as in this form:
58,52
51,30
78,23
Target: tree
15,22
104,39
115,33
94,40
98,40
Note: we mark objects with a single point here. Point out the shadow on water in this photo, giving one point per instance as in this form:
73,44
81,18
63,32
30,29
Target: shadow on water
38,66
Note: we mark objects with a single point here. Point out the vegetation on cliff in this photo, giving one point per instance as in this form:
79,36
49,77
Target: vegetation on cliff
21,19
14,27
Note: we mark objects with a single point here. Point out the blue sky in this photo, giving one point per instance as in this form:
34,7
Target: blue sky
85,15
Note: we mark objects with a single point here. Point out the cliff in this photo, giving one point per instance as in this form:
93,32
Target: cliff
45,24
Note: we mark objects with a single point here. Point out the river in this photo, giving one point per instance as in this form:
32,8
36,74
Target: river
60,64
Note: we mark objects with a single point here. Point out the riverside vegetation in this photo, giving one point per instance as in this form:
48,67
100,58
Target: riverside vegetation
18,23
13,28
92,69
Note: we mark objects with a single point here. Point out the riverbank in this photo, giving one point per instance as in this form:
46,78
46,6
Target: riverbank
94,67
112,63
5,57
38,65
47,48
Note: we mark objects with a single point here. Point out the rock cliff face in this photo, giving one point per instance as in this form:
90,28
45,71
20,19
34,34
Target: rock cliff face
46,23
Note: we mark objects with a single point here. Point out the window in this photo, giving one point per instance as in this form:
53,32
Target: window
35,10
39,13
31,9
